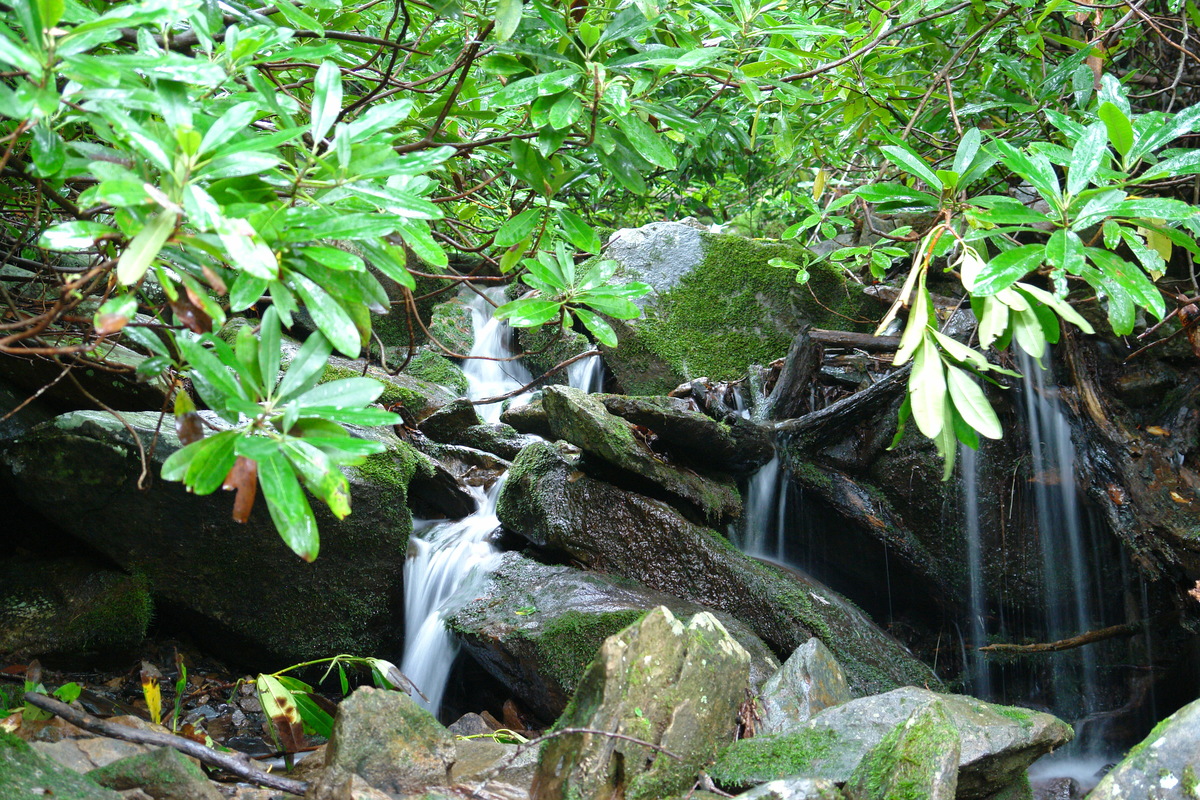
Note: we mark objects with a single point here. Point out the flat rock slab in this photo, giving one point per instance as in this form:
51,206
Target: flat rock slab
536,628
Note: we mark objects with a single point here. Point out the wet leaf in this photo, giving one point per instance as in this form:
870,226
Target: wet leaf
152,691
280,707
243,479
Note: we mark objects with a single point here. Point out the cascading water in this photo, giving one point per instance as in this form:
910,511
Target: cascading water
449,560
763,524
981,684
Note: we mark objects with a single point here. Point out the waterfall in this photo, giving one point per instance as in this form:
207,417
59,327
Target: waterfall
1066,565
762,528
586,374
980,675
448,560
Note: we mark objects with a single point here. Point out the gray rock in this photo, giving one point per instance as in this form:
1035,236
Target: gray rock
536,628
553,504
738,445
1056,789
794,789
811,680
163,773
918,758
69,605
81,471
469,724
658,681
445,424
389,741
529,418
26,775
997,743
31,413
583,421
1164,766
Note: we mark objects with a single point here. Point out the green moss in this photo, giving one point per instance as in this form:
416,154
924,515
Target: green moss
395,467
119,622
393,392
28,774
452,327
569,643
905,764
434,368
733,310
765,758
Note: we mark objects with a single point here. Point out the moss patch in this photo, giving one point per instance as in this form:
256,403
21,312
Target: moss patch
766,758
569,643
430,366
27,774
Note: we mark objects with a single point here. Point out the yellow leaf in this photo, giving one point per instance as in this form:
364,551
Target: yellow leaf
819,183
152,692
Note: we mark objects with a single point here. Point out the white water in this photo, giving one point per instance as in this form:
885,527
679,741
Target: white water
486,376
981,684
586,374
763,525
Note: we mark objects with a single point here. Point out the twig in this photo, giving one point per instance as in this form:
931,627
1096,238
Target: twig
521,390
237,763
1111,632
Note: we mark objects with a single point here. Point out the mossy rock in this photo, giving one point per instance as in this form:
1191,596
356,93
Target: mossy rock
749,762
434,368
917,760
163,773
418,396
718,305
26,775
547,347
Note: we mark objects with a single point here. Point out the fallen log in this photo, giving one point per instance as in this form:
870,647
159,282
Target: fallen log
239,764
858,341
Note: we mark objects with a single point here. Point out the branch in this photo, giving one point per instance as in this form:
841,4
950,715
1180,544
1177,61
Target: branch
239,764
521,390
1091,637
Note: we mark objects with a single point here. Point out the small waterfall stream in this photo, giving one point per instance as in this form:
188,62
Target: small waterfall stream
449,560
980,674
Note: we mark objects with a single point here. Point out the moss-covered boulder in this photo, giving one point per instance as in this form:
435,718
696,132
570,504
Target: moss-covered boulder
419,396
537,627
552,501
238,586
718,305
1164,766
996,743
658,681
26,775
582,420
163,773
917,760
389,741
69,606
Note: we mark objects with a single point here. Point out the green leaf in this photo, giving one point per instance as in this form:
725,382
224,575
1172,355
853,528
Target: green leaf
912,163
578,232
1007,268
327,99
321,477
1060,306
508,17
1123,277
968,148
297,18
207,469
418,236
176,465
530,312
1120,131
74,235
331,319
994,321
245,248
231,122
1028,333
145,247
603,332
333,258
342,394
927,389
971,403
1089,153
289,507
894,193
648,143
268,348
1064,250
518,227
378,118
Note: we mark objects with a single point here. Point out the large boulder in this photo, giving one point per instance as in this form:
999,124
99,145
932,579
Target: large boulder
918,758
552,503
996,743
1164,766
673,686
81,471
717,304
163,773
582,420
811,680
536,628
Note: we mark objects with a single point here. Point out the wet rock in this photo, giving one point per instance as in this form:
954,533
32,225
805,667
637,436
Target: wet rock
81,471
86,754
445,424
458,423
497,437
997,743
737,445
486,759
26,775
811,680
546,348
1164,766
1057,789
536,628
469,724
433,367
918,758
1019,789
583,421
12,396
419,397
552,503
529,418
717,305
69,606
389,741
794,789
163,773
466,466
670,685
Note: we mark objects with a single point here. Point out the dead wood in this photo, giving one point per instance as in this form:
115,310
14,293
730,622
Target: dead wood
858,341
800,368
237,763
1091,637
833,421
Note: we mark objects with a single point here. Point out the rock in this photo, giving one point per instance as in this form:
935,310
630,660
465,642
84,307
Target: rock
458,423
466,466
470,724
163,773
794,789
389,741
496,437
737,445
674,686
488,760
583,421
811,680
529,418
554,505
1055,789
81,471
445,424
435,368
546,348
419,397
997,743
337,784
69,605
26,775
1164,766
536,628
31,413
717,306
918,758
86,754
